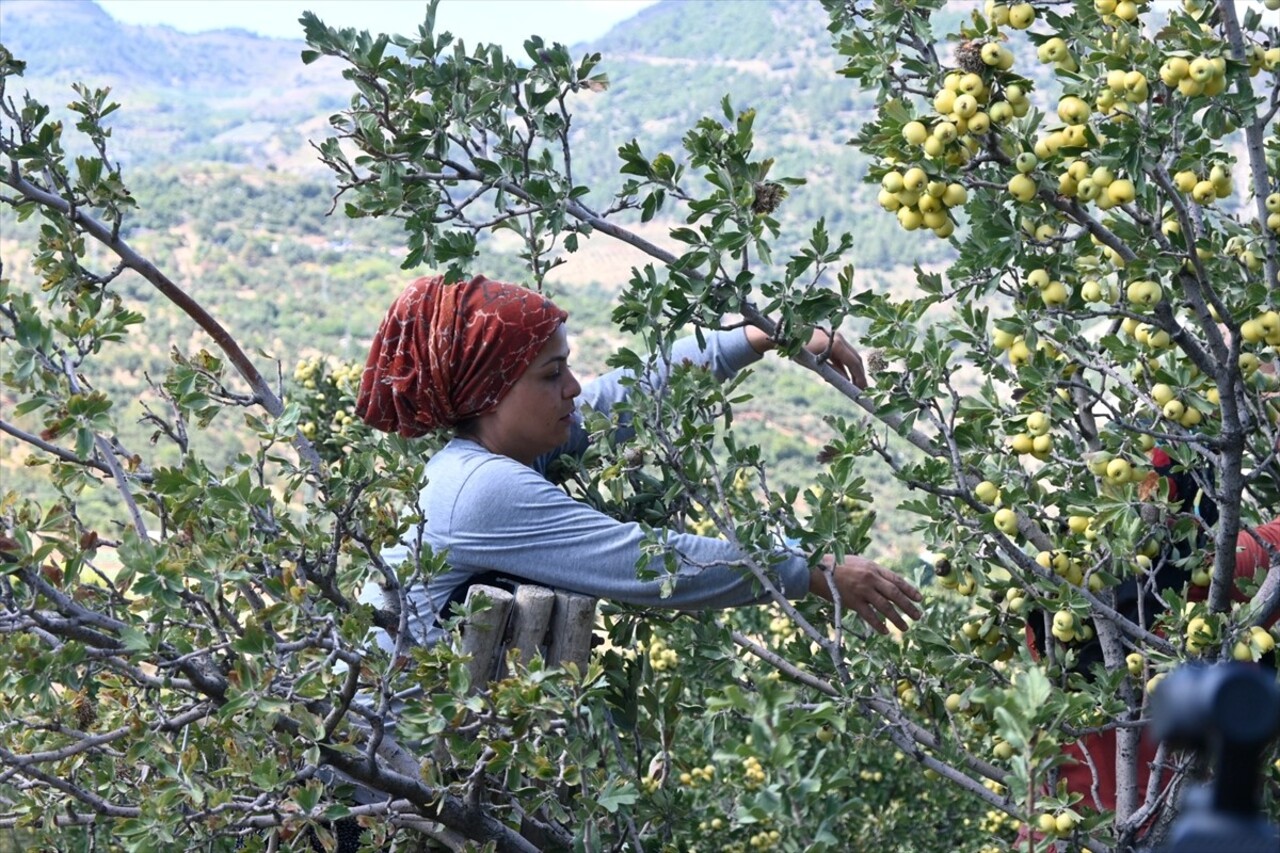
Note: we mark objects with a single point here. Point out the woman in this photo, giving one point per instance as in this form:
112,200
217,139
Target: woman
491,361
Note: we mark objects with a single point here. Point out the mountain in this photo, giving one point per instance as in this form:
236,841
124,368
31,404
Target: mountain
230,96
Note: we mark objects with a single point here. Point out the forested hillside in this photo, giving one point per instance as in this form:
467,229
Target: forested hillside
214,131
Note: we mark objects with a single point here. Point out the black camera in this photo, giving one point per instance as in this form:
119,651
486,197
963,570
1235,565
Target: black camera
1227,712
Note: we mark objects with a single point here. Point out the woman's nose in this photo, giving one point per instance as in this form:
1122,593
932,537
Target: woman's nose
572,388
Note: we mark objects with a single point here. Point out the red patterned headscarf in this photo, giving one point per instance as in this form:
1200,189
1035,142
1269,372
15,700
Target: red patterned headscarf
448,352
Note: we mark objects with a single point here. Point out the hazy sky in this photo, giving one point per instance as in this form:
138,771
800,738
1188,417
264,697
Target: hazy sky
507,22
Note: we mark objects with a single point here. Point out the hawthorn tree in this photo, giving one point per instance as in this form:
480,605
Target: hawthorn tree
1107,267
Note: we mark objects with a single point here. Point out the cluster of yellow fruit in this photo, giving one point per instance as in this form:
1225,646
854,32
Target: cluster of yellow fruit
753,774
962,582
1067,627
1098,185
1201,634
1116,470
661,656
1037,441
1174,409
692,778
1203,75
1070,569
920,202
765,840
782,628
1205,188
996,822
1265,328
714,825
1016,15
870,775
907,694
1258,642
1063,823
1238,247
988,634
1273,210
699,523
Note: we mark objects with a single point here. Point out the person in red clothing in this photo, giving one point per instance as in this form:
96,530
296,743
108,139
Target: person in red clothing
1090,770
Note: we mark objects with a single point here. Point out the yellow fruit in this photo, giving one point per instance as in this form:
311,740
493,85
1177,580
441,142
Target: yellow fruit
1022,444
1190,87
1038,423
1200,69
954,195
1021,16
915,179
1134,663
1065,823
1073,110
987,492
1055,294
1121,191
944,102
915,132
1174,70
1118,471
1144,292
1022,187
1006,521
1204,192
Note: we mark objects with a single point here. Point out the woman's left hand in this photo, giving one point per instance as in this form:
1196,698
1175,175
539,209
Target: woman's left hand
841,356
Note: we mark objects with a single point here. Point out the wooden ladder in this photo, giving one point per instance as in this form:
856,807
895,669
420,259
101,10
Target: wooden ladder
531,620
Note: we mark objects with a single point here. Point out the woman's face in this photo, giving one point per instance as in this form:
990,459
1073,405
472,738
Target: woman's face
535,415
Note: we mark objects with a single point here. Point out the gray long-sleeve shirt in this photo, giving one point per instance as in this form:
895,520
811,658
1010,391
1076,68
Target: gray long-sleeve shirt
491,513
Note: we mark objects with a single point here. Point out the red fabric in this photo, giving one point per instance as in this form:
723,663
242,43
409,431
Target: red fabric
448,352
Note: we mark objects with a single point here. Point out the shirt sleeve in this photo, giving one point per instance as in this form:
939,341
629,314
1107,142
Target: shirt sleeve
724,353
508,518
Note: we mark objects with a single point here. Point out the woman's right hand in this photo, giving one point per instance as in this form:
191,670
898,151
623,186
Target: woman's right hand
868,589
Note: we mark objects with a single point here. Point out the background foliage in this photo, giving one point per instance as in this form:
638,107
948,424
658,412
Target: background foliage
180,602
